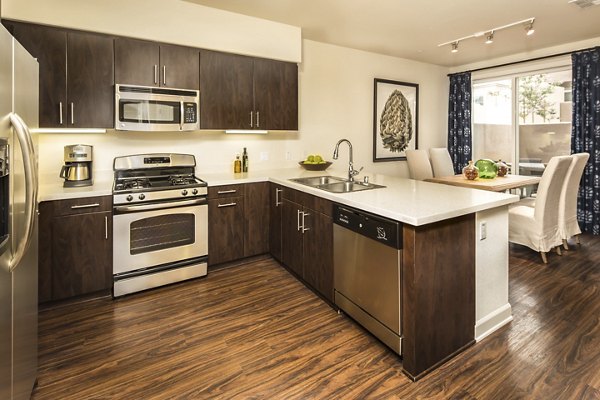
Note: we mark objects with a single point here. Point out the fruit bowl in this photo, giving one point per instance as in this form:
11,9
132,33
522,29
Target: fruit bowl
315,167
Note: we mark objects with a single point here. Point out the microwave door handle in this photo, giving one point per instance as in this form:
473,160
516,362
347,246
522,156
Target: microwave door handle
181,115
31,186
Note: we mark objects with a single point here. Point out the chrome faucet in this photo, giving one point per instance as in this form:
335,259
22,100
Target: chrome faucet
351,171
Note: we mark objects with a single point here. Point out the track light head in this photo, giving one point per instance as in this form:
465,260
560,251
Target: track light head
529,27
454,47
489,38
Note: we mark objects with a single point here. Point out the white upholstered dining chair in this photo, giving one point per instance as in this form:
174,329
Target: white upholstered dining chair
418,164
441,162
537,227
567,210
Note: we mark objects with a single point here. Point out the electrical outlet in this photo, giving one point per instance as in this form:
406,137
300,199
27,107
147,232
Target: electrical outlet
288,155
482,230
264,156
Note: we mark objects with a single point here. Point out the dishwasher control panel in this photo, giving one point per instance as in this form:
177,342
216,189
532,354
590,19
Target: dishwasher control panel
380,229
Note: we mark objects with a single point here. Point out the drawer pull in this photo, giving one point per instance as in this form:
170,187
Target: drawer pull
85,206
227,191
226,205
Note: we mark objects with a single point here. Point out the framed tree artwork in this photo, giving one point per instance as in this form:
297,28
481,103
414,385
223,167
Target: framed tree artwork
395,119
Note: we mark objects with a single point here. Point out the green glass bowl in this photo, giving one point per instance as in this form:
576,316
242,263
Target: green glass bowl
487,168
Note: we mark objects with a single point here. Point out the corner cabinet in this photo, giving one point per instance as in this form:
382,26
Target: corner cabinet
236,222
76,75
239,92
307,239
75,248
140,62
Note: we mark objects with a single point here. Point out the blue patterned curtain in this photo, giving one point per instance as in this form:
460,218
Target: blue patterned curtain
585,134
459,120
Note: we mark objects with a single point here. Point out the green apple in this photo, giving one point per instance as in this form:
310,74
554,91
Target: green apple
318,159
310,159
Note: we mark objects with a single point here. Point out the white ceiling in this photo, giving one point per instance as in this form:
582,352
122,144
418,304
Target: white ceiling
413,29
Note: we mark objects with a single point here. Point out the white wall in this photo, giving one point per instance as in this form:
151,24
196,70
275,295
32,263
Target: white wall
336,101
335,87
171,21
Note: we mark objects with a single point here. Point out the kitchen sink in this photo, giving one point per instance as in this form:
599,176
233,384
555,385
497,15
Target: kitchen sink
335,185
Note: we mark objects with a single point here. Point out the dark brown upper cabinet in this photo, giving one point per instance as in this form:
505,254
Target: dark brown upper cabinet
238,92
76,75
139,62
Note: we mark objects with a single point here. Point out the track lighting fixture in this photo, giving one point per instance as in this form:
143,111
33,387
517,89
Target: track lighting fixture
529,27
489,33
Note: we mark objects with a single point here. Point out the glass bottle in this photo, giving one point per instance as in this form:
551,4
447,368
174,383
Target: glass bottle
471,172
502,168
245,161
237,164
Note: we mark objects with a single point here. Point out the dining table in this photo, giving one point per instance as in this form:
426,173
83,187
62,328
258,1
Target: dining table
497,184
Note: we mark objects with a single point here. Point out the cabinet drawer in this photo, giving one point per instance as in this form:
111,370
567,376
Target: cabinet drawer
217,192
82,205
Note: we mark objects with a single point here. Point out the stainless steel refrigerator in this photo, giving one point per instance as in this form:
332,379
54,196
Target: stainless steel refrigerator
18,220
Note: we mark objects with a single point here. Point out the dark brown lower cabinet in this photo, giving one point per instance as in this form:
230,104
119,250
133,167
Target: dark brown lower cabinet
256,215
75,249
225,229
307,240
275,215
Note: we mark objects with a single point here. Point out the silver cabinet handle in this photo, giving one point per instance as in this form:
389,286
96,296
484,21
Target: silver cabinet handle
251,120
298,215
304,229
226,205
106,227
258,119
72,112
155,74
60,113
226,191
85,206
164,74
181,115
277,202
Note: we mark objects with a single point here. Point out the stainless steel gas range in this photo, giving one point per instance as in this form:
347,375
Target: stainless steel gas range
159,220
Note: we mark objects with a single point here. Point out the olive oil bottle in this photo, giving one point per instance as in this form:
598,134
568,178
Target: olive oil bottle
237,165
245,161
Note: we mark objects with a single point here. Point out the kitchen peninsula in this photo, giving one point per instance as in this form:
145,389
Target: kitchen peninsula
454,271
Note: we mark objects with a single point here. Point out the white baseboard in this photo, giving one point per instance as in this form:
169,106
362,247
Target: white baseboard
493,321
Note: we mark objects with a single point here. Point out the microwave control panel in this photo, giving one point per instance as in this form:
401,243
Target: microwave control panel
189,113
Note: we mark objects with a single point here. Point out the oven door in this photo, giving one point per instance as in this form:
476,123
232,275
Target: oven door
148,235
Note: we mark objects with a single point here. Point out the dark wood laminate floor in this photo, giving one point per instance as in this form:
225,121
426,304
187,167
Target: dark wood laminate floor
253,331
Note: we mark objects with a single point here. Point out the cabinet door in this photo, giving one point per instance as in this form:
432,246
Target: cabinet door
136,62
276,94
48,45
179,67
225,229
291,237
275,206
226,91
256,209
318,253
45,252
90,81
81,254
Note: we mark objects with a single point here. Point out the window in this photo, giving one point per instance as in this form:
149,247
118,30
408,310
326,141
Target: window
524,120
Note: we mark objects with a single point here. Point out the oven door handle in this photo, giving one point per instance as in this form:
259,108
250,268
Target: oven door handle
160,206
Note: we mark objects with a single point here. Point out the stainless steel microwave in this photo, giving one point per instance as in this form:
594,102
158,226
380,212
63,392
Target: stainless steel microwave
145,108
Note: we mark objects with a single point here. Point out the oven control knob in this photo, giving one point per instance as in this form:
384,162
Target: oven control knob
184,192
129,198
195,191
142,196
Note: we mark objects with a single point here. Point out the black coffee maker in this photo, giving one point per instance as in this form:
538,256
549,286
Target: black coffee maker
77,170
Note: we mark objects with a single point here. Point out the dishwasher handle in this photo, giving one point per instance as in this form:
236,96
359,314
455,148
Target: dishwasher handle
382,230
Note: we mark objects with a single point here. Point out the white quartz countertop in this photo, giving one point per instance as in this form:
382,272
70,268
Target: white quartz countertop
405,200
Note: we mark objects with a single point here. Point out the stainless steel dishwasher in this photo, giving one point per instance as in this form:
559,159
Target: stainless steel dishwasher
367,253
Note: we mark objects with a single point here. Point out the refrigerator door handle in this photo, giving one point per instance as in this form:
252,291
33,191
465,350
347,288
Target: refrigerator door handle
31,186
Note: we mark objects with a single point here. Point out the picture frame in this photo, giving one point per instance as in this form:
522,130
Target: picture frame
396,111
